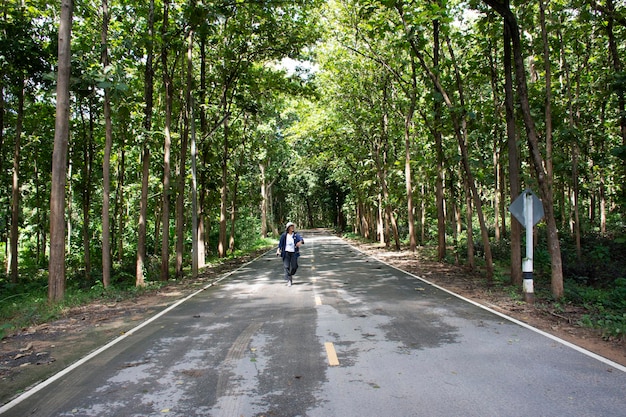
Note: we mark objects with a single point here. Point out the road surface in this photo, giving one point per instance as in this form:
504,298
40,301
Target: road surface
351,337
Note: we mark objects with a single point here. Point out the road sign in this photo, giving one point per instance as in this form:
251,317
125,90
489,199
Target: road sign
528,210
517,208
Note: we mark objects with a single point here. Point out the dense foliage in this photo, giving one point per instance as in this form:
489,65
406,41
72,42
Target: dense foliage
384,118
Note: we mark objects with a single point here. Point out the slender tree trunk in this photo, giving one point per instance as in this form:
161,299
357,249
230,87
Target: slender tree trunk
497,148
169,97
408,122
195,230
409,186
439,190
203,128
423,213
56,266
263,200
106,162
514,165
180,196
15,195
120,198
221,245
380,221
496,192
145,157
469,215
233,209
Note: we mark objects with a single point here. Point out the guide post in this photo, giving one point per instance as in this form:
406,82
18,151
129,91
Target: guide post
528,210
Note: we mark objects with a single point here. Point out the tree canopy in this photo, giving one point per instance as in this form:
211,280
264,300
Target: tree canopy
411,123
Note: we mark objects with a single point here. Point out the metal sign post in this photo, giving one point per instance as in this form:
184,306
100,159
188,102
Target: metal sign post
528,210
527,263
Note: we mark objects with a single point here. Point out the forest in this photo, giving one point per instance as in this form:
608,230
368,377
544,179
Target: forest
141,139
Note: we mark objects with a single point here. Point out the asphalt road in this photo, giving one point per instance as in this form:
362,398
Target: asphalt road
351,337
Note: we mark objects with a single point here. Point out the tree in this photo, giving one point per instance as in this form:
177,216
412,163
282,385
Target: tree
106,162
169,97
56,269
145,155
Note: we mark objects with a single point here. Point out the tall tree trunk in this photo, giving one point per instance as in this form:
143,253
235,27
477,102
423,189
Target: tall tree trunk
408,122
56,265
106,162
180,196
145,157
514,164
545,185
233,208
15,194
263,200
497,148
439,190
469,215
120,198
169,97
203,129
195,229
221,245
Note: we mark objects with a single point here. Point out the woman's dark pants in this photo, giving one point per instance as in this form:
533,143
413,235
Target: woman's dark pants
290,262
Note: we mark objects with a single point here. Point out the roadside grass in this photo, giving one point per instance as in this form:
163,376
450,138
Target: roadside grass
26,303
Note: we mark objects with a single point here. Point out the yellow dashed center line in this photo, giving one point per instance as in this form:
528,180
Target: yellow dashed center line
332,355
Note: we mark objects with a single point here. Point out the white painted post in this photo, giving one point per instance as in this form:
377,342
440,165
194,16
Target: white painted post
527,263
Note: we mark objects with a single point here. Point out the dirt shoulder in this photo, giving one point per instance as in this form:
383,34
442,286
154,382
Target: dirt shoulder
33,354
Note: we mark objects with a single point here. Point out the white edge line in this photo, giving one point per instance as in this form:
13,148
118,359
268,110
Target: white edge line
509,318
95,353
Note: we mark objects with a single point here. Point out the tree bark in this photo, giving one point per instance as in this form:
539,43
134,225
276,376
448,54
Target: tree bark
439,190
195,230
180,195
15,194
56,265
106,162
514,164
169,97
221,245
145,157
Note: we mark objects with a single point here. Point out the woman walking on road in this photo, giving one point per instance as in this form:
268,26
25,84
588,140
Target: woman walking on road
289,248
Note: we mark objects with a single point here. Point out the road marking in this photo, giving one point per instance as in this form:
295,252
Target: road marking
318,300
332,355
